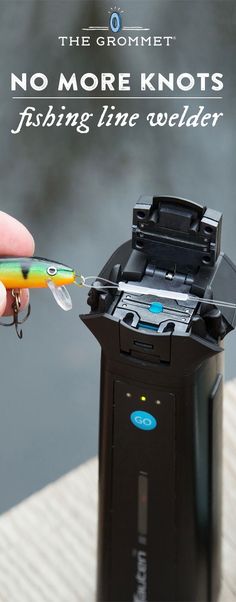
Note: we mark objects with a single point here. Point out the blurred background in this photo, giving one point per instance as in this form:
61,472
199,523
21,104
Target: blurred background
76,193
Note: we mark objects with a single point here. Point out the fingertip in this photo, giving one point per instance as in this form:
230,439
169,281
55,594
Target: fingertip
15,238
3,298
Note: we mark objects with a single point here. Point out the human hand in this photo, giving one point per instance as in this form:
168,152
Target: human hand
15,240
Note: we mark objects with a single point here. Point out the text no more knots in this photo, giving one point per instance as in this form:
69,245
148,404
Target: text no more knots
81,122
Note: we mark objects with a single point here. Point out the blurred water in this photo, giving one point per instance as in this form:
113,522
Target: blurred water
76,193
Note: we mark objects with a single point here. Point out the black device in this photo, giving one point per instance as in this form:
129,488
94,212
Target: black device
160,459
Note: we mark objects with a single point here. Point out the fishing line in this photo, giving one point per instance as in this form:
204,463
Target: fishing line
140,290
98,279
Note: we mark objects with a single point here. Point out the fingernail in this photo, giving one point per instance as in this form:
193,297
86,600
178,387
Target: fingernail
3,298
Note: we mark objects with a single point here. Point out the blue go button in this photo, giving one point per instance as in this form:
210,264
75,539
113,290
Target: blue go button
143,420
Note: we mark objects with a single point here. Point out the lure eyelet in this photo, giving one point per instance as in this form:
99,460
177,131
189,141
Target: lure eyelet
52,271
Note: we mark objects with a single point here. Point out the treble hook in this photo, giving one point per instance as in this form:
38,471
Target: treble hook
16,308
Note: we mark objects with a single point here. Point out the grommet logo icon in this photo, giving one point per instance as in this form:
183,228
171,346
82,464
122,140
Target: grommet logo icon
143,420
115,22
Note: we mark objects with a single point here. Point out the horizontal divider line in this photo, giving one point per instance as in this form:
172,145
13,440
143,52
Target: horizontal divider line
117,97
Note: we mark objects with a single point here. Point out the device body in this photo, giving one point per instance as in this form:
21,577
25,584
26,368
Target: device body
160,457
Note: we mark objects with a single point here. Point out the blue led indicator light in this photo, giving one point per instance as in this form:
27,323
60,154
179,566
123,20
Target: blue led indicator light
156,307
143,420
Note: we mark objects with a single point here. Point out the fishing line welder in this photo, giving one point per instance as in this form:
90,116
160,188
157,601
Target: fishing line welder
160,482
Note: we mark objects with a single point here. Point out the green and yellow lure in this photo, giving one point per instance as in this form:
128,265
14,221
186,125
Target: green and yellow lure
34,272
17,273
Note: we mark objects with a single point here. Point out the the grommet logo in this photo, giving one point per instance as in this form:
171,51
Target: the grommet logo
143,420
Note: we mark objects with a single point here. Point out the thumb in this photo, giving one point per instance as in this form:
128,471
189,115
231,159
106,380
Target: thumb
3,298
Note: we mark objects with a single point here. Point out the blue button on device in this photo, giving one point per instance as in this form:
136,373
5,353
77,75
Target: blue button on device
156,307
143,420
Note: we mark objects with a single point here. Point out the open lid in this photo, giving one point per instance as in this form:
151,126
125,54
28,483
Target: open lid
176,234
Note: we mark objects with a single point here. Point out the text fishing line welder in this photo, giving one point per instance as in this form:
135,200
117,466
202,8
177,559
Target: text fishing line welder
160,460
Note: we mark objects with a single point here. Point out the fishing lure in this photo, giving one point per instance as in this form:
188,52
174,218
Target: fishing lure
17,273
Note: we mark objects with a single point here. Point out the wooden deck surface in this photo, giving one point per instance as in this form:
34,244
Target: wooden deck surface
48,542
